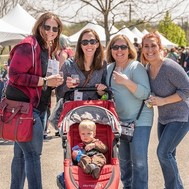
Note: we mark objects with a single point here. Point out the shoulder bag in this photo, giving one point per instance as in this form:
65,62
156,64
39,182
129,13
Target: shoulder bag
16,120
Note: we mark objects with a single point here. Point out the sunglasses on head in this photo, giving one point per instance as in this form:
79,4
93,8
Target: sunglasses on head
116,47
47,28
91,41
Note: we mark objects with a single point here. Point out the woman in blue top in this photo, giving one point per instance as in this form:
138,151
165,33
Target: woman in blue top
170,84
130,87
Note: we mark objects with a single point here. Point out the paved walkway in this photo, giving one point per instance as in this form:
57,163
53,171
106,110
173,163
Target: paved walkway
52,162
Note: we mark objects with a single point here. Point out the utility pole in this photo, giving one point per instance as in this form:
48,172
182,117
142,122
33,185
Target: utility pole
130,12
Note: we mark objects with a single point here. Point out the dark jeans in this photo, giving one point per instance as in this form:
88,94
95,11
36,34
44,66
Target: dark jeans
60,181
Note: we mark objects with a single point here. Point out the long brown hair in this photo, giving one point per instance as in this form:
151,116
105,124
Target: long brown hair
98,56
39,33
132,51
154,35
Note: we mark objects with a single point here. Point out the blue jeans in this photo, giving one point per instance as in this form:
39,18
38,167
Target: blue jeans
26,160
133,159
170,135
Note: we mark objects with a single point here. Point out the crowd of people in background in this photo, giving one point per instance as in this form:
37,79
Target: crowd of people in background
146,73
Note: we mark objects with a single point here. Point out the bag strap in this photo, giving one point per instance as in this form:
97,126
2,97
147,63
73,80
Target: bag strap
88,78
111,75
14,111
142,105
140,110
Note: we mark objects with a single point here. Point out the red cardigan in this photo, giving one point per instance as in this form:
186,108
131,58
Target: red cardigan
25,68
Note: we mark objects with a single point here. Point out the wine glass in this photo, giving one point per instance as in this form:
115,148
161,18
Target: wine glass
75,79
119,69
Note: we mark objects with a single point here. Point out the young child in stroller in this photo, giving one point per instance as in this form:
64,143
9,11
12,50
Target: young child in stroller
89,154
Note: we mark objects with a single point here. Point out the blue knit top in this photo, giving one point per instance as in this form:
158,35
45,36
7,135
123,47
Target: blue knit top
127,103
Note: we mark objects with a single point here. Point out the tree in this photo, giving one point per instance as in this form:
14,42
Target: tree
108,12
105,12
7,5
172,31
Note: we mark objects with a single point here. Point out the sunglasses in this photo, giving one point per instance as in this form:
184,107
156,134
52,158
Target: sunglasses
116,47
91,41
47,28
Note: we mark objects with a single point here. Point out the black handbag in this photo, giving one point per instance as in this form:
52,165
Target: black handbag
127,129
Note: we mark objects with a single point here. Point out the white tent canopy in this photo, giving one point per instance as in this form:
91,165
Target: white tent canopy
145,32
99,29
19,18
9,34
8,28
137,32
129,34
16,25
165,42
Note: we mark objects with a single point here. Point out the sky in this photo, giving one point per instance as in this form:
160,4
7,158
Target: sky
145,10
90,14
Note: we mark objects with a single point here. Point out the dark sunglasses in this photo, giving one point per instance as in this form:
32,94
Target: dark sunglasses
91,41
47,28
116,47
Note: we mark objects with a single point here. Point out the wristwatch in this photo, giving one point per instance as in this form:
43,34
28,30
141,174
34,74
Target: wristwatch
45,83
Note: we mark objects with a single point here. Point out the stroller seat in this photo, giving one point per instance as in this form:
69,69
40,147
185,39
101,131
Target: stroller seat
107,131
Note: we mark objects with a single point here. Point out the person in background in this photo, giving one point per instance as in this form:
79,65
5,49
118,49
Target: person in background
186,62
173,55
88,64
65,51
130,87
4,79
136,44
183,54
5,71
170,85
89,154
137,47
28,83
63,54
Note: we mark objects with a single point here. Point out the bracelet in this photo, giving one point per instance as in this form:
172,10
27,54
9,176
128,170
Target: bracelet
45,83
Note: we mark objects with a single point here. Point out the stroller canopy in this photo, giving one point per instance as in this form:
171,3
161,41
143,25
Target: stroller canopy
95,113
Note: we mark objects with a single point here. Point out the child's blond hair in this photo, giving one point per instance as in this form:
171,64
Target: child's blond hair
87,124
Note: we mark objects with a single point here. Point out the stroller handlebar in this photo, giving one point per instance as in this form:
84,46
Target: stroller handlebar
86,89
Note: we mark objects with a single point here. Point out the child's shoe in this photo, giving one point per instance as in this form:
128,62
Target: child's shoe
96,172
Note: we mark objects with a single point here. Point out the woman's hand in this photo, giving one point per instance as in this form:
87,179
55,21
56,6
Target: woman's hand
70,84
156,101
100,87
160,101
54,80
120,78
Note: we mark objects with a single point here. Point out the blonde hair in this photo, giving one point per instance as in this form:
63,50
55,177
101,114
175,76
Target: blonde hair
131,48
87,124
